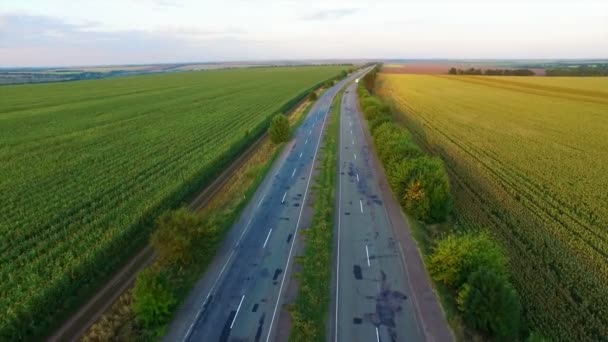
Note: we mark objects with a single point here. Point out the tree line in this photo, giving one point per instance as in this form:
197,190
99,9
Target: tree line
492,72
579,70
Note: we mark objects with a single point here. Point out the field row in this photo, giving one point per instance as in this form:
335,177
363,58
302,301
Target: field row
86,165
528,161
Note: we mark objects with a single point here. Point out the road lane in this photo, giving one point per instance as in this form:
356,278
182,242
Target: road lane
240,295
372,294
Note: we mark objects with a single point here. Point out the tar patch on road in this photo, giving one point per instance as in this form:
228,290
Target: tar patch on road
277,272
289,238
258,334
226,331
357,272
388,304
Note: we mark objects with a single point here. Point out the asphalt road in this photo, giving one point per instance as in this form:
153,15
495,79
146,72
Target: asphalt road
240,296
373,299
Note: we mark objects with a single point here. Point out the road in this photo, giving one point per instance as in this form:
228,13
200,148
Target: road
373,299
240,296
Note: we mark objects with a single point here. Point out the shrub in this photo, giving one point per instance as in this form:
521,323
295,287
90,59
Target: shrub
312,96
490,304
457,256
153,300
421,184
175,235
279,129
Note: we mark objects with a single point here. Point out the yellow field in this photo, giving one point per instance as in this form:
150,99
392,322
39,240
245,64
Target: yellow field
528,159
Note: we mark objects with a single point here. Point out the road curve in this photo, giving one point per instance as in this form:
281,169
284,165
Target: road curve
381,292
240,296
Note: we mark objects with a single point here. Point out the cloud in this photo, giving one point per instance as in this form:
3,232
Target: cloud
44,41
330,14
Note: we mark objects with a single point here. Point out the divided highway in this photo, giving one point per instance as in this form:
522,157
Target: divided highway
373,298
240,296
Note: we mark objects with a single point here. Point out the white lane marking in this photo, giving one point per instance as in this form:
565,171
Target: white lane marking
361,205
355,156
367,253
293,173
237,311
262,200
300,155
306,142
295,234
377,335
353,141
268,236
351,132
283,200
310,132
357,178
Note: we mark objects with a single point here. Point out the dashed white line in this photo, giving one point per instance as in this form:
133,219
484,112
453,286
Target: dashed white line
267,236
353,141
306,142
300,155
293,173
237,311
367,253
377,335
355,156
361,205
283,200
357,178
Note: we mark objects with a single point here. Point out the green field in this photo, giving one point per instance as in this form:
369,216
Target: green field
528,158
85,166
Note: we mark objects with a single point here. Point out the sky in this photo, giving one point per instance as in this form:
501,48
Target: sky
83,32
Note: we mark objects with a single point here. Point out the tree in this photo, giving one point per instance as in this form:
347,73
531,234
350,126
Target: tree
312,96
175,235
152,298
453,71
279,129
457,256
423,187
490,304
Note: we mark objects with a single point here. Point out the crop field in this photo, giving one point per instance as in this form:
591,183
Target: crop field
85,166
528,158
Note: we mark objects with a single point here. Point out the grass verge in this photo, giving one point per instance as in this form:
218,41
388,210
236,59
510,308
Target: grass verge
310,310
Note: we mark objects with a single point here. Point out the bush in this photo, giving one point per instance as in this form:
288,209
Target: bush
279,129
153,300
490,304
420,183
312,96
394,145
175,235
457,256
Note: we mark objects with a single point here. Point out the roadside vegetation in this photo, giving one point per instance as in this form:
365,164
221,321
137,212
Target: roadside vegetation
526,160
469,268
89,166
309,312
185,242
